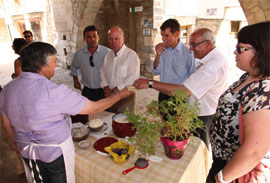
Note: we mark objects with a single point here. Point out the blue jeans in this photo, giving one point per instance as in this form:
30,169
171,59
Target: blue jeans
53,172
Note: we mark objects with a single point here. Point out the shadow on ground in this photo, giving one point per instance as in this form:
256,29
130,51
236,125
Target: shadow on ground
8,161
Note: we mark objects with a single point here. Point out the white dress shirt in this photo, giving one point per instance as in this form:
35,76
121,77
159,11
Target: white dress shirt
120,70
208,82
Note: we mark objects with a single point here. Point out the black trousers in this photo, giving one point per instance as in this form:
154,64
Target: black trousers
218,164
53,172
162,97
93,94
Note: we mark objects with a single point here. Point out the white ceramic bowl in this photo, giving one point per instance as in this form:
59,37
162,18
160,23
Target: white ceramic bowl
84,144
96,124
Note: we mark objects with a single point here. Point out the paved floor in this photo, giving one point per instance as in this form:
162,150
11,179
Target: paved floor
8,161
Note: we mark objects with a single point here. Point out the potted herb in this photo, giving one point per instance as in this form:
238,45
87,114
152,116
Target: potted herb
175,120
180,121
147,133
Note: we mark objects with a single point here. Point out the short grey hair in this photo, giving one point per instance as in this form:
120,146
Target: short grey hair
208,34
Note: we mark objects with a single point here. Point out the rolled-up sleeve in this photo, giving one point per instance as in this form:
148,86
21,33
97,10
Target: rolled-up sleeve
103,80
157,70
69,101
201,81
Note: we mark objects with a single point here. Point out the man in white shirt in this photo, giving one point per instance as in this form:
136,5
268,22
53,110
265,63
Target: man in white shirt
121,68
206,84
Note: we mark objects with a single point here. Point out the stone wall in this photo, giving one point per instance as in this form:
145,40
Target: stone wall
4,35
105,14
67,16
256,10
88,16
213,24
64,21
73,16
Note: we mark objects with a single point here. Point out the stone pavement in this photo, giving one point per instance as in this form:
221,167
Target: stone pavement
8,161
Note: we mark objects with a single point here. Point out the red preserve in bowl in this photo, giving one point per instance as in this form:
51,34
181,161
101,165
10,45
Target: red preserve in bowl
121,127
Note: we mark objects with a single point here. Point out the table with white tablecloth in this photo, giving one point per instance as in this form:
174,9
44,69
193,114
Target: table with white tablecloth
93,167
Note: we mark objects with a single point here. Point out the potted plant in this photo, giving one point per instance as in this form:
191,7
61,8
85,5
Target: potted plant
175,120
147,133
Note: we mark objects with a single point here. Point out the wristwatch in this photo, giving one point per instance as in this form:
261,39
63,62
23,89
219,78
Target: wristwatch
150,84
220,177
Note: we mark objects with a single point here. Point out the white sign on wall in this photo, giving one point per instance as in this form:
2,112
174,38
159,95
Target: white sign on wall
146,32
147,22
211,12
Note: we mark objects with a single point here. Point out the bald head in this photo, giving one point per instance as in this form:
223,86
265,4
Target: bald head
201,42
116,38
116,29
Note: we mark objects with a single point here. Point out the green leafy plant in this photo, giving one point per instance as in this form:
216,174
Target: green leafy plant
179,117
175,118
147,135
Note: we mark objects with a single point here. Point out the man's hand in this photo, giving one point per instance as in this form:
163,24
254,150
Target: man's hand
125,93
77,85
13,76
159,48
116,90
107,91
141,83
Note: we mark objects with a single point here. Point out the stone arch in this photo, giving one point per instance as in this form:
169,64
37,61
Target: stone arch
256,10
86,17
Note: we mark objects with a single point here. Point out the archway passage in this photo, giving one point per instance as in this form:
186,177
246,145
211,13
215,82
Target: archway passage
256,10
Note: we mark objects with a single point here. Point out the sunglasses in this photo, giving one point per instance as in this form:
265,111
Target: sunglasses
239,49
193,44
91,61
27,36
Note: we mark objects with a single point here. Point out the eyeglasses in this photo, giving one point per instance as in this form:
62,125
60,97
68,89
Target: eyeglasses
91,61
27,36
239,49
193,44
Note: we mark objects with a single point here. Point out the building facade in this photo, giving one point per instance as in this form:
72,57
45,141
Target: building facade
61,22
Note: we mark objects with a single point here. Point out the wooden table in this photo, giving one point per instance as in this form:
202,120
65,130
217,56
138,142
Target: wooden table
193,167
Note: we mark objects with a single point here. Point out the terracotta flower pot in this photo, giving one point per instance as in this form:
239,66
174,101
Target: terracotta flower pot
174,150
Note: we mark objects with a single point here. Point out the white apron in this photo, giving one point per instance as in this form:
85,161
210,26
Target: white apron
68,150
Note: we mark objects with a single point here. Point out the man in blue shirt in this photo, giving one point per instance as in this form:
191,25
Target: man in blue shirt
173,62
89,60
